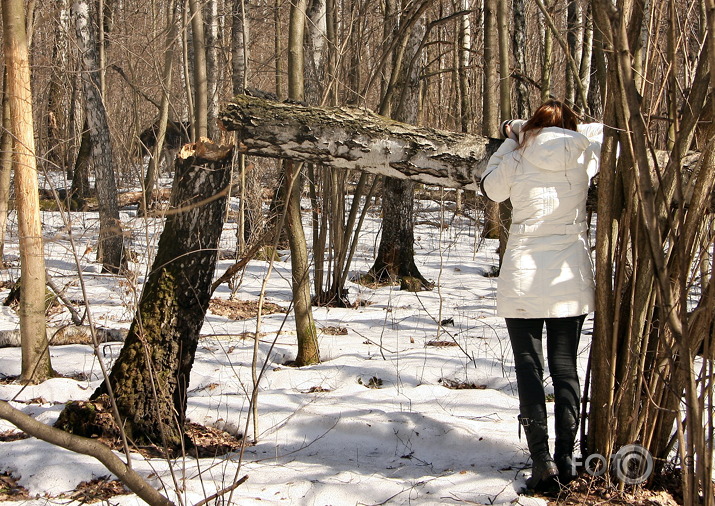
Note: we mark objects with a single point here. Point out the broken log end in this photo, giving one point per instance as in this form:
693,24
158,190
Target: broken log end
205,149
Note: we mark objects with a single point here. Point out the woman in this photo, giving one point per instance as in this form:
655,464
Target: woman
546,276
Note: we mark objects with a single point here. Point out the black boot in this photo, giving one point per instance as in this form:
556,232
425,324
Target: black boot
566,427
544,470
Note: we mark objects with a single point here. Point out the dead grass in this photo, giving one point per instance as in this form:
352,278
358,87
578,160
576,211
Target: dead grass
242,309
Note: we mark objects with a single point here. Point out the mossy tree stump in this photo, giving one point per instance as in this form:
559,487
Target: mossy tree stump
151,375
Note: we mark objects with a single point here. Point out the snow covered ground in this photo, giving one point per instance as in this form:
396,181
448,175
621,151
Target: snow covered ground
374,423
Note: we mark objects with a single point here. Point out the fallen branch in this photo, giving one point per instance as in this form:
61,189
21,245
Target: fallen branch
76,318
135,482
69,334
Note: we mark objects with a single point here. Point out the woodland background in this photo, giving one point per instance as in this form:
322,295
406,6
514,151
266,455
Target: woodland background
103,72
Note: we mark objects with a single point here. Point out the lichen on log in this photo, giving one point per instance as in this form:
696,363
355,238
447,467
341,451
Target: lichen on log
352,138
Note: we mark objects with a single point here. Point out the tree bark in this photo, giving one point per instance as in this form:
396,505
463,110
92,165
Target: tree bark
490,105
548,56
307,334
111,248
395,254
464,50
151,375
213,68
36,365
201,92
351,138
574,41
57,99
519,49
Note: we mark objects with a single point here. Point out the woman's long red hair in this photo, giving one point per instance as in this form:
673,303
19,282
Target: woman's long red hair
552,113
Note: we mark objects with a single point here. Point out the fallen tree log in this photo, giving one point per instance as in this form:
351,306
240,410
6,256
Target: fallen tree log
351,138
68,334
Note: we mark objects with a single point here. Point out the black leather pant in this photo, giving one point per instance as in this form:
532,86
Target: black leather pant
562,337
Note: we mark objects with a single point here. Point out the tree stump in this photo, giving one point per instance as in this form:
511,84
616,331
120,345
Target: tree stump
151,375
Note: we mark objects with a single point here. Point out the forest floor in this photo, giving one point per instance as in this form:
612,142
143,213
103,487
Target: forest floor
414,401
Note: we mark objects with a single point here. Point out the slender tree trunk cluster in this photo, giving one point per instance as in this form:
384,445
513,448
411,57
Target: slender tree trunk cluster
653,226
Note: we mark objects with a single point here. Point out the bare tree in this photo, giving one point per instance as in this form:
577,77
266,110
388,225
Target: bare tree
395,255
5,167
463,62
308,351
111,245
490,105
155,159
200,78
36,366
518,46
57,97
213,67
646,381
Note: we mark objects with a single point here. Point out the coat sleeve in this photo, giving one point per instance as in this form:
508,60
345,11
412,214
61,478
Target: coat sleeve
496,180
592,155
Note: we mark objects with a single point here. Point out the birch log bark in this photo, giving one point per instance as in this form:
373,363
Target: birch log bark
352,138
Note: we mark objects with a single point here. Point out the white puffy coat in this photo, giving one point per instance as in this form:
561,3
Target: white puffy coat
547,270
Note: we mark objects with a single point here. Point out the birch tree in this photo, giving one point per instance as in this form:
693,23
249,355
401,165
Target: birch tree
110,250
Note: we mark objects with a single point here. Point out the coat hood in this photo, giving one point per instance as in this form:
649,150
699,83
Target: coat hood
555,148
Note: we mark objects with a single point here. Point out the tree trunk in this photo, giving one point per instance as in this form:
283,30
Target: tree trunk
213,68
278,46
518,47
316,52
547,55
201,91
57,100
574,40
36,365
307,334
152,170
80,172
5,167
463,62
151,375
350,138
490,105
239,47
505,110
111,248
395,254
250,210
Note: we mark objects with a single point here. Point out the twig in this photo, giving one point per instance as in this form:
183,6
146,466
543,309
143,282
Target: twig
240,264
76,319
222,491
119,70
